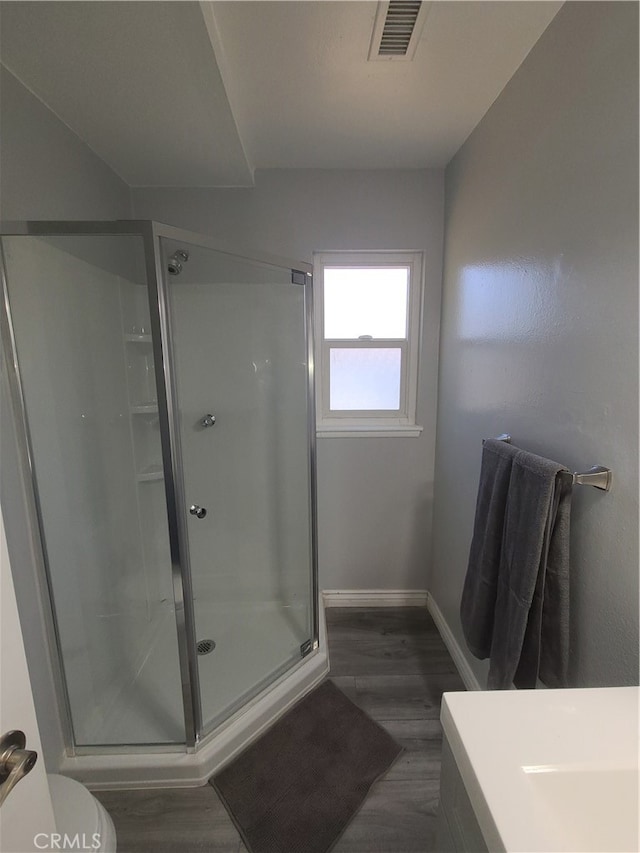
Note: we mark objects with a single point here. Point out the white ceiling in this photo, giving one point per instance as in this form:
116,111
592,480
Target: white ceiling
137,81
189,94
304,94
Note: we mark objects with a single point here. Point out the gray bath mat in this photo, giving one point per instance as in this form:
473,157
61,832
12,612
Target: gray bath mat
297,787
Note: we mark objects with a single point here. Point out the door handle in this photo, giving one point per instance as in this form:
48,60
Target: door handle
15,761
198,511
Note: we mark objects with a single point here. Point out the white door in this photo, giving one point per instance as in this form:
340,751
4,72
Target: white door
26,818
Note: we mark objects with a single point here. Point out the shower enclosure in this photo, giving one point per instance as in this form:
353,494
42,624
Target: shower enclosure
162,392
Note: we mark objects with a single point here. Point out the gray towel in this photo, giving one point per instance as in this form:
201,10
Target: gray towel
478,603
515,601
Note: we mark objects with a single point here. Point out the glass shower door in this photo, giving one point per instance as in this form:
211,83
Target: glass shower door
239,342
80,323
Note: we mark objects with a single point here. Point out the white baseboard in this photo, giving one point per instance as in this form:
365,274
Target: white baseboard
375,597
459,658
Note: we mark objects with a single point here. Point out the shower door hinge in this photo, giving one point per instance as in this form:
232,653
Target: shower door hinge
305,648
298,277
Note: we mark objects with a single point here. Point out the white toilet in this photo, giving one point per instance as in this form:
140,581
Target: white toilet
78,813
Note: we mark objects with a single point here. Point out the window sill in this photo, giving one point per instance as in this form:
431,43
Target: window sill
373,431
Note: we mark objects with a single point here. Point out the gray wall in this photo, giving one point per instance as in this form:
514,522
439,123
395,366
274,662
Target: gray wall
375,494
46,172
540,316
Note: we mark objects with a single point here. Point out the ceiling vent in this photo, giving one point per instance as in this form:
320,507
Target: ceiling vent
397,29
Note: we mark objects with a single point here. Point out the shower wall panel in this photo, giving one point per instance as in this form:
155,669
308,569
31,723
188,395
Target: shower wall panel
223,369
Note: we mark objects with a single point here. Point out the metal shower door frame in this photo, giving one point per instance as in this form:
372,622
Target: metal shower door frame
157,288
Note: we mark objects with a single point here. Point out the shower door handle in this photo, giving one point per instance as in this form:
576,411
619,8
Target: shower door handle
198,511
15,761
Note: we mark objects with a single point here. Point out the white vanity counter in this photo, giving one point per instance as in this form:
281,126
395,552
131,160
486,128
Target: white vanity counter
549,770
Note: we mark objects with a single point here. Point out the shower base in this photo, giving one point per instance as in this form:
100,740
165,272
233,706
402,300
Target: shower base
222,685
267,631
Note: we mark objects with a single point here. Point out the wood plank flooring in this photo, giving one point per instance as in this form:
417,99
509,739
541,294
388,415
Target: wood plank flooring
393,664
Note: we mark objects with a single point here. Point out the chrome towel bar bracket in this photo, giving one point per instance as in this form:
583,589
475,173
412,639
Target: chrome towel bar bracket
598,476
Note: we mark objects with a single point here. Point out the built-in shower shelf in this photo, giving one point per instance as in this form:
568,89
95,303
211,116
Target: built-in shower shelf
138,339
151,472
145,409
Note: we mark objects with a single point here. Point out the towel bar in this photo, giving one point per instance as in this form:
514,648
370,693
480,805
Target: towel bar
598,476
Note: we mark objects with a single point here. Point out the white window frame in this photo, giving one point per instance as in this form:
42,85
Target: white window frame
369,423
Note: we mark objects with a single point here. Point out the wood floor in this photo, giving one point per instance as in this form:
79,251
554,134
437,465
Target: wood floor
394,665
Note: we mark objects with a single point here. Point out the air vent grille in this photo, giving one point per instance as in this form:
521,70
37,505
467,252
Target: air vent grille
397,29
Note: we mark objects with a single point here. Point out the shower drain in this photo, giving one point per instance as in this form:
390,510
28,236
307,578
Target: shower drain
205,646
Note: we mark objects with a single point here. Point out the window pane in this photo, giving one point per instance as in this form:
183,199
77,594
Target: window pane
365,302
365,378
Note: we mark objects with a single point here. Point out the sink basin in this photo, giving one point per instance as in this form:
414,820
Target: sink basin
588,809
550,770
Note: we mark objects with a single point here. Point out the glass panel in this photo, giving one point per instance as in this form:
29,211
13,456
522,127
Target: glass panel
365,302
81,320
240,355
364,378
